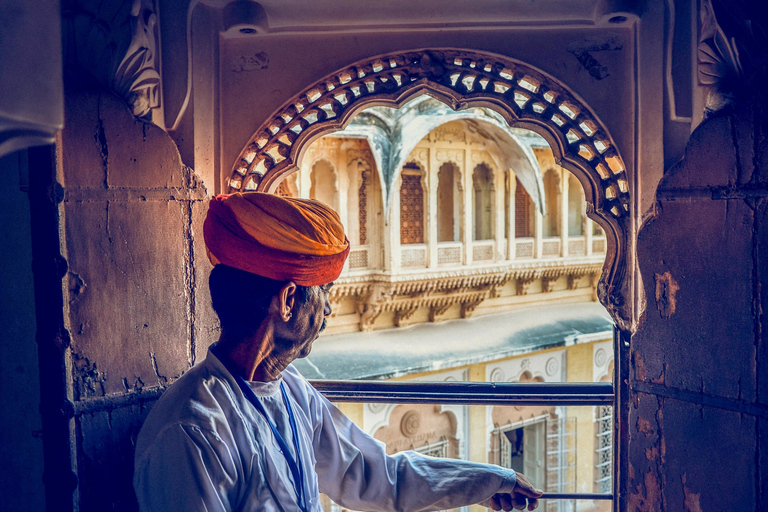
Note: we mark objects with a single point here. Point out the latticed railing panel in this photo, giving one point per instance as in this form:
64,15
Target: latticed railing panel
358,258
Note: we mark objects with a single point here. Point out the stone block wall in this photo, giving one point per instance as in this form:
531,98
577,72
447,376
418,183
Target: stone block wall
698,425
137,310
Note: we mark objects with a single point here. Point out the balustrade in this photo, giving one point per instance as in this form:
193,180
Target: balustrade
358,257
482,251
551,248
413,256
449,253
524,247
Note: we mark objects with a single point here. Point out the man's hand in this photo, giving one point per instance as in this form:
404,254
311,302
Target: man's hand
523,494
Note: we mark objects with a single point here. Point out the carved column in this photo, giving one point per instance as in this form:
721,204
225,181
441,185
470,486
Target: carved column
564,212
500,250
392,231
588,236
466,208
430,176
343,182
538,233
511,247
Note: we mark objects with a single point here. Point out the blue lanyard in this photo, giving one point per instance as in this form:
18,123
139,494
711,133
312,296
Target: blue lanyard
295,466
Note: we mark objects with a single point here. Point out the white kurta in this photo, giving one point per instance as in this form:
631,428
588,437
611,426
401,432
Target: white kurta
204,446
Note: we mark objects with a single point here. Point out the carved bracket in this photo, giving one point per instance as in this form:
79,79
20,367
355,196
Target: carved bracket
117,48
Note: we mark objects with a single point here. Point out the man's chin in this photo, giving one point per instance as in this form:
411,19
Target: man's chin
306,350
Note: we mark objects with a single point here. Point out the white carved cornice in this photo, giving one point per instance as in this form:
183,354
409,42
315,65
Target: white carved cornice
437,291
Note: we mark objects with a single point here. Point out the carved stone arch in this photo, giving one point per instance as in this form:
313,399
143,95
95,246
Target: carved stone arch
528,376
414,426
523,95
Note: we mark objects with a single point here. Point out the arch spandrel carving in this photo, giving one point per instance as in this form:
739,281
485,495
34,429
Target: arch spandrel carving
524,96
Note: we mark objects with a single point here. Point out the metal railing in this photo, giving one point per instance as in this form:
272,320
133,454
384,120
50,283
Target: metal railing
475,393
467,393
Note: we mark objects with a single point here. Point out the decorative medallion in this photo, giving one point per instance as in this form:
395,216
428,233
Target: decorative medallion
376,408
497,375
552,367
410,424
601,357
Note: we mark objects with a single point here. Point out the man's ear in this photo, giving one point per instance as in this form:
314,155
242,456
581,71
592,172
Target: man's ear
286,299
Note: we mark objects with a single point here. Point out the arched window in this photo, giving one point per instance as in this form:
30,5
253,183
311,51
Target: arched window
551,220
523,212
576,207
411,206
324,186
447,203
481,180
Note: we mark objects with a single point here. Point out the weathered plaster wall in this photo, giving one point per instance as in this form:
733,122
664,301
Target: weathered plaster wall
133,240
699,371
21,449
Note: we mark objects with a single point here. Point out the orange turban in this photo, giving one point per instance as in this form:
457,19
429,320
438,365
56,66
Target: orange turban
286,239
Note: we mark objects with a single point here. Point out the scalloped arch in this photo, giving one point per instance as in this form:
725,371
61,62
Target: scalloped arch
526,98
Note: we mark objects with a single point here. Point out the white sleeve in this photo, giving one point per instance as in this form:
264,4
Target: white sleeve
355,471
186,469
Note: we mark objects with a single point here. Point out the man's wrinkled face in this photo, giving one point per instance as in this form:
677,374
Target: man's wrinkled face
294,338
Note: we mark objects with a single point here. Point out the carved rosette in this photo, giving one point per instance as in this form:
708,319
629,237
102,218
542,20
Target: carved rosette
410,424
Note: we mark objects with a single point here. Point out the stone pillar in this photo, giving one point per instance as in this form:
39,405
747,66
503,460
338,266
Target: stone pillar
538,233
698,375
564,213
342,183
588,236
497,215
430,180
467,217
511,247
392,231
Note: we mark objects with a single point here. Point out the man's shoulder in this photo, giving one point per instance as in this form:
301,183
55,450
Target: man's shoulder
200,398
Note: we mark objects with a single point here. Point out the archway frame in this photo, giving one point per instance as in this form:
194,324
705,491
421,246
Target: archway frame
526,98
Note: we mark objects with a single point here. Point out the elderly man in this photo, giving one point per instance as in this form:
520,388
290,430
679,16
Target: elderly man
243,430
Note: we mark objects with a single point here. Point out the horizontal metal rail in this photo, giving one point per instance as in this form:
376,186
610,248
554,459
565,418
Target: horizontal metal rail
483,393
468,393
576,496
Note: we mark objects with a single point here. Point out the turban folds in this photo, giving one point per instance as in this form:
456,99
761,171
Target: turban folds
282,238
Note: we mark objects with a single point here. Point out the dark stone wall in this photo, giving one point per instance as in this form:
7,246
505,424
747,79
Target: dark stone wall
21,448
136,288
698,425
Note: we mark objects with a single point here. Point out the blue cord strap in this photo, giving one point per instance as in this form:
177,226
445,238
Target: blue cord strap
294,465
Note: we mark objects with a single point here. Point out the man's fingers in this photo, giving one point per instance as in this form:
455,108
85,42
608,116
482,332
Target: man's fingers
533,503
495,504
518,502
506,501
524,487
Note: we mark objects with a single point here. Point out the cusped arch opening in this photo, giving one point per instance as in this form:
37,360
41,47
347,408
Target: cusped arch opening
519,94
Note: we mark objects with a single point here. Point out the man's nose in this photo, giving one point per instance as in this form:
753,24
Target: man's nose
327,310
